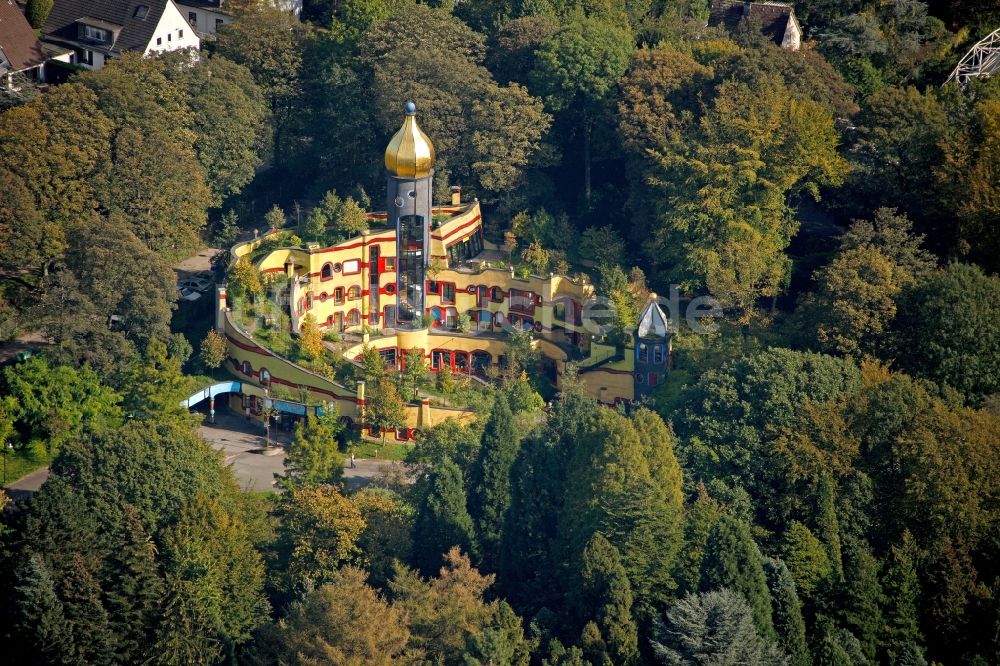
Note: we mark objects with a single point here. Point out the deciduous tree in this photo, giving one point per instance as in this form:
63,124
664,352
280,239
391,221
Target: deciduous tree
444,611
949,330
318,535
314,457
576,70
386,537
213,571
345,622
213,351
384,409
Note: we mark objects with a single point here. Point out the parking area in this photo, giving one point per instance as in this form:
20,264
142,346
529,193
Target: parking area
242,443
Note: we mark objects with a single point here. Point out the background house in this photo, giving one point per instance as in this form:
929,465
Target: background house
97,30
776,20
20,50
205,16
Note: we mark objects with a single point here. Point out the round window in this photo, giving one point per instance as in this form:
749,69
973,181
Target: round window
390,289
337,267
412,194
639,378
399,201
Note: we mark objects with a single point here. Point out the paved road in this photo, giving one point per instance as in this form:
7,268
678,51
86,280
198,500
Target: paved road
34,341
27,484
197,263
242,445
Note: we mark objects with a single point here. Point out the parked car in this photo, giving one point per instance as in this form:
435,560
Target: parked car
196,284
186,294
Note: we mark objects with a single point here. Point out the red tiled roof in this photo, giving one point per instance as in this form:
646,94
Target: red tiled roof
17,40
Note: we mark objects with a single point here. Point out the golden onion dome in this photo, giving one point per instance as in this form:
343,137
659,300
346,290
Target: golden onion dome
410,153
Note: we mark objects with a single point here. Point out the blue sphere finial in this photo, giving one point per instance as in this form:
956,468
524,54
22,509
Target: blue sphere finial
411,109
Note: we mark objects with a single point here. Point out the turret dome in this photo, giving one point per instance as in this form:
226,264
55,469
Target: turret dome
410,153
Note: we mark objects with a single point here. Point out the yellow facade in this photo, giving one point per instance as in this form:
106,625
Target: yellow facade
350,287
470,306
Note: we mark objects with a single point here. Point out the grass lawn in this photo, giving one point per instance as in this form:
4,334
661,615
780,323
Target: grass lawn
366,448
26,460
198,382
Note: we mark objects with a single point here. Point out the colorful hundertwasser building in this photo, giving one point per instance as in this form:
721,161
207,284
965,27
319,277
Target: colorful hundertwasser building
424,277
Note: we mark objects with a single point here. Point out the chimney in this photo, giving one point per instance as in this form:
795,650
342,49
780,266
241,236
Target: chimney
456,195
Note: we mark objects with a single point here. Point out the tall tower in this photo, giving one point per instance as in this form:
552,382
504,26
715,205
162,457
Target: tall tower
652,349
409,161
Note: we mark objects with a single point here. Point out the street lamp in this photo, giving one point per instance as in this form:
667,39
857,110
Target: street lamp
6,447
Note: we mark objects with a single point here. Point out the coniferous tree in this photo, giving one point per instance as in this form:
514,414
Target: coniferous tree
787,611
698,523
836,646
135,590
902,598
502,642
528,560
45,634
86,616
442,518
185,634
36,11
860,604
732,560
490,483
827,526
712,628
950,585
58,523
606,595
806,558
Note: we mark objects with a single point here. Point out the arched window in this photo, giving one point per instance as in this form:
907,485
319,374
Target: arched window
265,376
326,272
658,353
354,318
462,361
246,368
481,360
496,295
642,352
440,357
353,293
